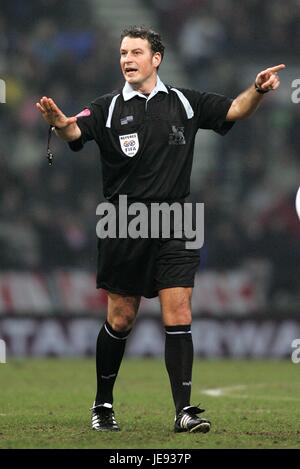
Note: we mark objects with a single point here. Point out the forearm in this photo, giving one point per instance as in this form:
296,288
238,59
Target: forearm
245,104
69,133
248,101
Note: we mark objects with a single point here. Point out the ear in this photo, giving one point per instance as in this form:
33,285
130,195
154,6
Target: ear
156,59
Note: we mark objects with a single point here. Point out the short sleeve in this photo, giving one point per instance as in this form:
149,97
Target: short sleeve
211,112
88,122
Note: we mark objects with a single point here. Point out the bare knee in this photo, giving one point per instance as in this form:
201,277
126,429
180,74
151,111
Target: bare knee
121,320
180,316
176,306
122,311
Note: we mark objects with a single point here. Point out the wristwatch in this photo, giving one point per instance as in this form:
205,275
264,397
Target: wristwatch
259,90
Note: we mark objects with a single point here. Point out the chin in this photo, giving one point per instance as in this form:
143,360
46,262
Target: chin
133,81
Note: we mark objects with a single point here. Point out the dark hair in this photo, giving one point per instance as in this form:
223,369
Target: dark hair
143,32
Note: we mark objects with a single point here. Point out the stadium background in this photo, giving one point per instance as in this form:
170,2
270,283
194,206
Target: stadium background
246,300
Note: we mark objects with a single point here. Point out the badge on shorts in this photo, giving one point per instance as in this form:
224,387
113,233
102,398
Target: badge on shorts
129,144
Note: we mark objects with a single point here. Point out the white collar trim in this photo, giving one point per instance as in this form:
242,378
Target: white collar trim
128,91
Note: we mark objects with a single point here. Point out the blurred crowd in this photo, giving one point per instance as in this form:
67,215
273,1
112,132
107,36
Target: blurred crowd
205,29
48,213
55,48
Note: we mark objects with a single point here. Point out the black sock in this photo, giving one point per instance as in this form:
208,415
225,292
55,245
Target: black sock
109,354
179,354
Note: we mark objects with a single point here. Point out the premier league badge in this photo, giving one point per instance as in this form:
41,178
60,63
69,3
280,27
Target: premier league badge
129,144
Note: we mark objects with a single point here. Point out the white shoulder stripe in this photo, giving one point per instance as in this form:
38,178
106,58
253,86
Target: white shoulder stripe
111,110
186,104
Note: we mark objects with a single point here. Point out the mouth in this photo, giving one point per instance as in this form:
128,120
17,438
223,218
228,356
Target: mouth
130,70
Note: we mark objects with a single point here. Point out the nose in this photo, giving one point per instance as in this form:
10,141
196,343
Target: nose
128,61
128,57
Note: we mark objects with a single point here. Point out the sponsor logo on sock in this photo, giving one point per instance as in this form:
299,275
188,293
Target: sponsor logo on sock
108,376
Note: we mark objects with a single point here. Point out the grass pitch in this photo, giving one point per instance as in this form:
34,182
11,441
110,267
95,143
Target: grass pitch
252,404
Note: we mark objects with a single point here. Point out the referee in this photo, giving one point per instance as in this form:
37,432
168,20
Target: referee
161,123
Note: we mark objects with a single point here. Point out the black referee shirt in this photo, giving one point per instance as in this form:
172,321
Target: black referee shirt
147,143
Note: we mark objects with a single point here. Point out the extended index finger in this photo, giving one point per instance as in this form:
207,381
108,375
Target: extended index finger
276,68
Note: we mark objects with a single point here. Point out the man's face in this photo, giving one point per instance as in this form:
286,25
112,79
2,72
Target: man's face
138,63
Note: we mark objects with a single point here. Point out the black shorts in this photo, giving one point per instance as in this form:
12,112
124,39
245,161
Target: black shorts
142,267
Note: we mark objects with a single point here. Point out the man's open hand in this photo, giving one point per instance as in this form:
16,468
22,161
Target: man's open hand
268,79
53,115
